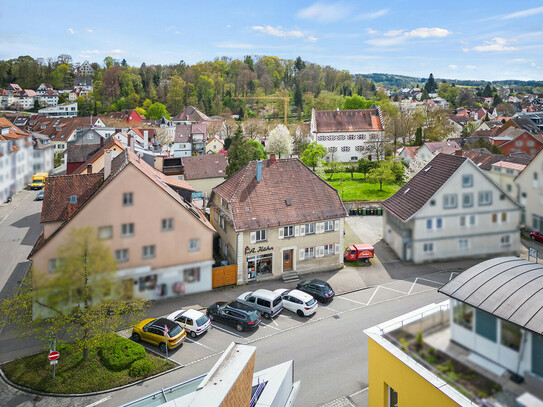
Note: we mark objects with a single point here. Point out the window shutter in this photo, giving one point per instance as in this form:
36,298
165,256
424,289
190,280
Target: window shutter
281,233
296,231
336,248
302,254
302,230
253,237
336,225
319,251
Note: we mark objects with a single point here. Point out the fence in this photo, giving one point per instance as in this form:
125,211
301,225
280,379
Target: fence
226,275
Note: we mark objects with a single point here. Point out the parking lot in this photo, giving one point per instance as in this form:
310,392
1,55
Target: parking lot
219,336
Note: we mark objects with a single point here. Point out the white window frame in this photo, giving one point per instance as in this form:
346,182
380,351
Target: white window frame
260,235
121,255
467,180
505,240
463,244
288,231
128,199
467,204
328,225
105,232
167,224
450,201
148,252
194,245
428,248
484,198
310,229
309,253
127,229
328,249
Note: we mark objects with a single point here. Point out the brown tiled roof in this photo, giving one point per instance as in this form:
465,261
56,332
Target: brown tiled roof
411,151
109,143
58,190
348,120
182,133
485,161
446,147
60,129
81,153
193,114
204,166
408,200
263,204
14,133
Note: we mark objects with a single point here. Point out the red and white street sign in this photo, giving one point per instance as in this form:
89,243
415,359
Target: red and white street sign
165,331
53,355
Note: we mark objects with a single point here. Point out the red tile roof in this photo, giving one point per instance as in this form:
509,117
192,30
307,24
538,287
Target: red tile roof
204,166
263,204
410,198
328,121
109,143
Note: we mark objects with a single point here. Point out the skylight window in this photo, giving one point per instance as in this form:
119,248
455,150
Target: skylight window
427,169
406,191
287,201
73,199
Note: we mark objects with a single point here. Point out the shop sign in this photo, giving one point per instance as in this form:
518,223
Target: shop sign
259,249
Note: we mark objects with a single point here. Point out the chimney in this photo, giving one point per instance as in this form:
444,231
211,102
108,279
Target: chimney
259,171
89,168
131,145
272,158
146,139
129,140
458,152
101,142
107,163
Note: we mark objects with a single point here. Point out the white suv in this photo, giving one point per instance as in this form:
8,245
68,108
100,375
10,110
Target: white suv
194,322
297,301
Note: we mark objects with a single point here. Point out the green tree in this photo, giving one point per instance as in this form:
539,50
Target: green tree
357,102
333,168
351,167
156,111
365,166
238,153
487,91
176,94
382,174
81,298
257,150
430,86
425,95
109,62
418,137
313,154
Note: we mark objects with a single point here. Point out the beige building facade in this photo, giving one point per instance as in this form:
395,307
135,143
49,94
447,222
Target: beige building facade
162,245
530,186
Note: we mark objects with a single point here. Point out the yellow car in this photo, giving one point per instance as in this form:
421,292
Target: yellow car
152,331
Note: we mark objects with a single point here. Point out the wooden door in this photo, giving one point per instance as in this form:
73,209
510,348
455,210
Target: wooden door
287,260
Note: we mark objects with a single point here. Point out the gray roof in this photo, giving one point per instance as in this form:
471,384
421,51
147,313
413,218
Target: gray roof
506,287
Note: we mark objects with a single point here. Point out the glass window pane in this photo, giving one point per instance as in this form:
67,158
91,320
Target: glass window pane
485,325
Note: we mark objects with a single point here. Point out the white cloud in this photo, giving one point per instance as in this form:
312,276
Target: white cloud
373,15
452,66
310,38
371,31
71,31
426,32
394,37
497,44
471,67
523,13
228,26
94,51
89,30
278,31
177,32
116,52
324,13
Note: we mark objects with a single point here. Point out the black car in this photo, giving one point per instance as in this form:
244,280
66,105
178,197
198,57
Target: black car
234,313
319,289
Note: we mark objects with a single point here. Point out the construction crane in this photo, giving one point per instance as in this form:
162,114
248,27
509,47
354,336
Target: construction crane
285,100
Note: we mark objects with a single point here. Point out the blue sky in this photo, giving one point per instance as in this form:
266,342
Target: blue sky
462,39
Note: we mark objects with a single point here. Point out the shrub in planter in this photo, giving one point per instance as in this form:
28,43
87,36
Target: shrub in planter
119,353
140,368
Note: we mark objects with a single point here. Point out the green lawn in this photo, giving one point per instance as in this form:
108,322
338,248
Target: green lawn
73,375
357,189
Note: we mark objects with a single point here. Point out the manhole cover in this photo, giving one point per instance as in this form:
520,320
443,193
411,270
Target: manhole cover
336,316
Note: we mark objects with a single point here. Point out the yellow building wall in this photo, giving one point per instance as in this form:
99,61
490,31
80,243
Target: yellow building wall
413,390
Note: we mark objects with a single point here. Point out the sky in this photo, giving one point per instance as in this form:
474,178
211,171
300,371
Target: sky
485,40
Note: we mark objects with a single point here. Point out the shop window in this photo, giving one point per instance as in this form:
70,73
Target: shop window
511,335
463,315
147,283
191,275
105,232
259,265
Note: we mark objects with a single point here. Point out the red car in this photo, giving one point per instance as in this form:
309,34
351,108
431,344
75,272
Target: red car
538,236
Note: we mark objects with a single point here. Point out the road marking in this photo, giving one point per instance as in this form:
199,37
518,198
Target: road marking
392,289
99,401
359,392
431,281
227,331
328,308
269,326
452,275
373,295
273,320
201,344
348,299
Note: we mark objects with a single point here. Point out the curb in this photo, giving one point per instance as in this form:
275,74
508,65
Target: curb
96,393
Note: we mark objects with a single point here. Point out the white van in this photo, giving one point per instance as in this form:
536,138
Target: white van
265,301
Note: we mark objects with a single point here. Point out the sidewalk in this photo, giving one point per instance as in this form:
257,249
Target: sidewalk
7,208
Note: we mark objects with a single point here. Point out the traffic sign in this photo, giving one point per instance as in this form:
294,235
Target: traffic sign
53,355
53,362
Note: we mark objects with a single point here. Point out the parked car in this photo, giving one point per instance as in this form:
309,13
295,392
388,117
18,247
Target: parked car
39,197
152,331
537,236
194,322
235,313
265,301
319,289
355,252
297,301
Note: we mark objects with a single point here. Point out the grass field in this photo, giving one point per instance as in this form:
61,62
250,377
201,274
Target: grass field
73,375
357,189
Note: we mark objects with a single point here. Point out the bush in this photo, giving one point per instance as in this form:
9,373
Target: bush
419,339
431,360
403,344
140,368
431,351
119,353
